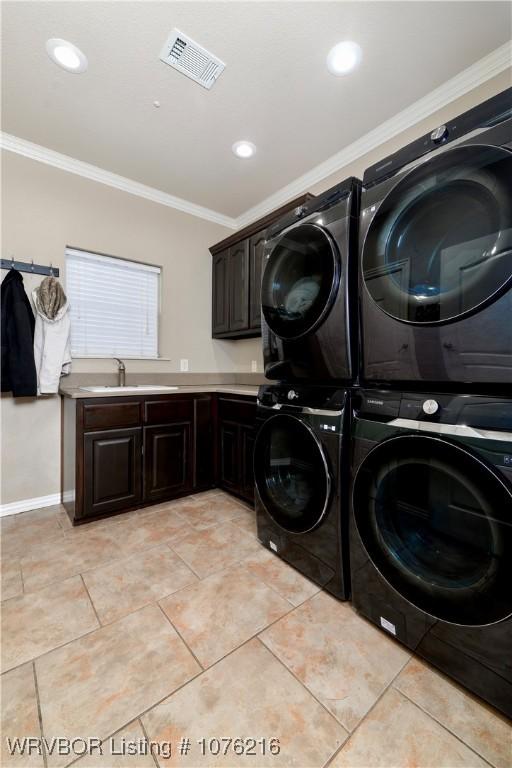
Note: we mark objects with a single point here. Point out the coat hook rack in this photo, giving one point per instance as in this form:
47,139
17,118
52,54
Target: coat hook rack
34,269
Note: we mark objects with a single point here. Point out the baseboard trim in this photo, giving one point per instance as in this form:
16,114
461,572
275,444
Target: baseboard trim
24,505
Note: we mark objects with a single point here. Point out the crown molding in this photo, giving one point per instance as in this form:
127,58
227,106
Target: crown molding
482,70
495,62
94,173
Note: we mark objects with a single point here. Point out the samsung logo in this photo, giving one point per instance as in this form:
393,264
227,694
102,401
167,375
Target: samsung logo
375,402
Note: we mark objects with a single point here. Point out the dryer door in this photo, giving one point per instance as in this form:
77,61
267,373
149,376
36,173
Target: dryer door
437,524
291,473
300,281
440,244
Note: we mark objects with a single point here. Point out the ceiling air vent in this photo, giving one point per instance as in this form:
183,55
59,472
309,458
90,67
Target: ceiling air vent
193,60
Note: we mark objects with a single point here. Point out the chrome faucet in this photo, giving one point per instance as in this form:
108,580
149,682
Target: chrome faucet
121,372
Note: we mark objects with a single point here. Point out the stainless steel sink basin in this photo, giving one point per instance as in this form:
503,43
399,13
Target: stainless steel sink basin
133,388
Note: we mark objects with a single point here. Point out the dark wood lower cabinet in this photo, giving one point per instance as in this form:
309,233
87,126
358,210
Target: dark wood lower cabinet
237,432
247,438
167,461
123,453
113,471
228,454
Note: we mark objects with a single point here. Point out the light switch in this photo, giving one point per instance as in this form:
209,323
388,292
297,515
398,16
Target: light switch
183,364
254,366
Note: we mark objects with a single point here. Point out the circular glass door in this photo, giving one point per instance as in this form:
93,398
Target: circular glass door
291,473
440,244
437,524
300,281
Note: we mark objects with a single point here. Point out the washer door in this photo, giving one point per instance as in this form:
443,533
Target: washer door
300,281
291,473
440,244
437,524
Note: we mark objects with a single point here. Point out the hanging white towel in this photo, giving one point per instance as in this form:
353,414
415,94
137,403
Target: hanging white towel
52,340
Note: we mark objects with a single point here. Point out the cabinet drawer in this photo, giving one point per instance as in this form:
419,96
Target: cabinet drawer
168,411
240,411
118,414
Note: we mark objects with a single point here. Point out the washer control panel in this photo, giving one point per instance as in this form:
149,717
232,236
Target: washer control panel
430,407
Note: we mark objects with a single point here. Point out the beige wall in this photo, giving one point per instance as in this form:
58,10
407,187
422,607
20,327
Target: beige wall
45,209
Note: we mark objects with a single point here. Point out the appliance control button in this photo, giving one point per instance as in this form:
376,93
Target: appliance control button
292,395
430,407
438,134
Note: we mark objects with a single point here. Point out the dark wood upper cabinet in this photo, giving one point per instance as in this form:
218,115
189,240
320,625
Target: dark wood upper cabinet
239,287
236,277
256,256
112,466
220,293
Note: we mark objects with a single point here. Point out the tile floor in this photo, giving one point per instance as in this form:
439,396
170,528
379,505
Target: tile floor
174,623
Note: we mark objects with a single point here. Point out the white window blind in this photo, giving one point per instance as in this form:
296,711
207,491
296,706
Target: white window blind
114,306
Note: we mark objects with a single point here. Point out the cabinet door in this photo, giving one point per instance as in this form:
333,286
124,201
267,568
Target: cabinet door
167,461
256,256
204,437
239,286
220,293
247,437
112,470
228,456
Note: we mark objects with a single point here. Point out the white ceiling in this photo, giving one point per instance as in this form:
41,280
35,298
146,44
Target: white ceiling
275,90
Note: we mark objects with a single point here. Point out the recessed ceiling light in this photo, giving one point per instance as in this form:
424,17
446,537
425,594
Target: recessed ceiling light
344,57
243,149
66,55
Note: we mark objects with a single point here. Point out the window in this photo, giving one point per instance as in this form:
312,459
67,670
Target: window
114,306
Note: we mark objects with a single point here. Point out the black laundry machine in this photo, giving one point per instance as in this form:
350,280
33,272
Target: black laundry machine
301,472
436,255
309,290
431,530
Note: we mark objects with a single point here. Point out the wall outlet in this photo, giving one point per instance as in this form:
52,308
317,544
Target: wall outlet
183,364
254,366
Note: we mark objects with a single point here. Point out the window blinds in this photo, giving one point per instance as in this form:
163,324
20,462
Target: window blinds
114,306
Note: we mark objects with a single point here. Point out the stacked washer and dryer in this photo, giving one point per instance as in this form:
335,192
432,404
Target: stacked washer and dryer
422,497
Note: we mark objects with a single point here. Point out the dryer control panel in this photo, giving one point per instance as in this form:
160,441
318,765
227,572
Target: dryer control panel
477,411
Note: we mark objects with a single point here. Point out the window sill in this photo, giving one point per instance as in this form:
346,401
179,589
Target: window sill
113,357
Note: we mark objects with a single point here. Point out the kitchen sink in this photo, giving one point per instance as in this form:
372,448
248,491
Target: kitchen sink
133,388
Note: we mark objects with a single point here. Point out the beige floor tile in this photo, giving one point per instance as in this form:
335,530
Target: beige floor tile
115,523
479,726
111,754
247,521
19,717
212,493
248,694
11,583
344,661
129,584
205,513
37,622
215,548
70,555
98,683
220,613
397,734
163,526
281,576
23,534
